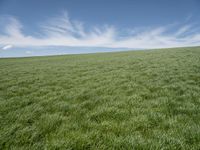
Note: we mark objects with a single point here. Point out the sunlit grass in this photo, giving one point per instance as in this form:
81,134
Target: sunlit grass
126,100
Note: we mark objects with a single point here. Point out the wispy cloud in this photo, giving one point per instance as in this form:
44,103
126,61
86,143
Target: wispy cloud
183,30
7,47
62,31
28,52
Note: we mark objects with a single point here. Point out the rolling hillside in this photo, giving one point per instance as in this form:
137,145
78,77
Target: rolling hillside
125,100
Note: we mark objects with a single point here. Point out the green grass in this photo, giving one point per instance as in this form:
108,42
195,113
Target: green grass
126,100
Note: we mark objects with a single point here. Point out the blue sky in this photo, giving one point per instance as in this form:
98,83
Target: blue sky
51,27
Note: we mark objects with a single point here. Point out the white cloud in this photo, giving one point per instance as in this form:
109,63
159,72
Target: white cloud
62,31
7,47
183,30
28,52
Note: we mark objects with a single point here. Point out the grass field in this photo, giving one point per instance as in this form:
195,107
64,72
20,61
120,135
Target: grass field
126,100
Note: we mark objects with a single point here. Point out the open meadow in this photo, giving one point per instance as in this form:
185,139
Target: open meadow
146,99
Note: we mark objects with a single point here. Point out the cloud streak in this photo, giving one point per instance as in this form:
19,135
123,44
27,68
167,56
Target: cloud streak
62,31
7,47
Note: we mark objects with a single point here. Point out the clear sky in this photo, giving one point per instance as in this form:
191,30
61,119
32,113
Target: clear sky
46,27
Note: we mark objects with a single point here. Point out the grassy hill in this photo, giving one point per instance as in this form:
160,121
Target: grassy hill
138,99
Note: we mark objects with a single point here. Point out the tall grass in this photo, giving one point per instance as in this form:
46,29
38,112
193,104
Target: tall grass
125,100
